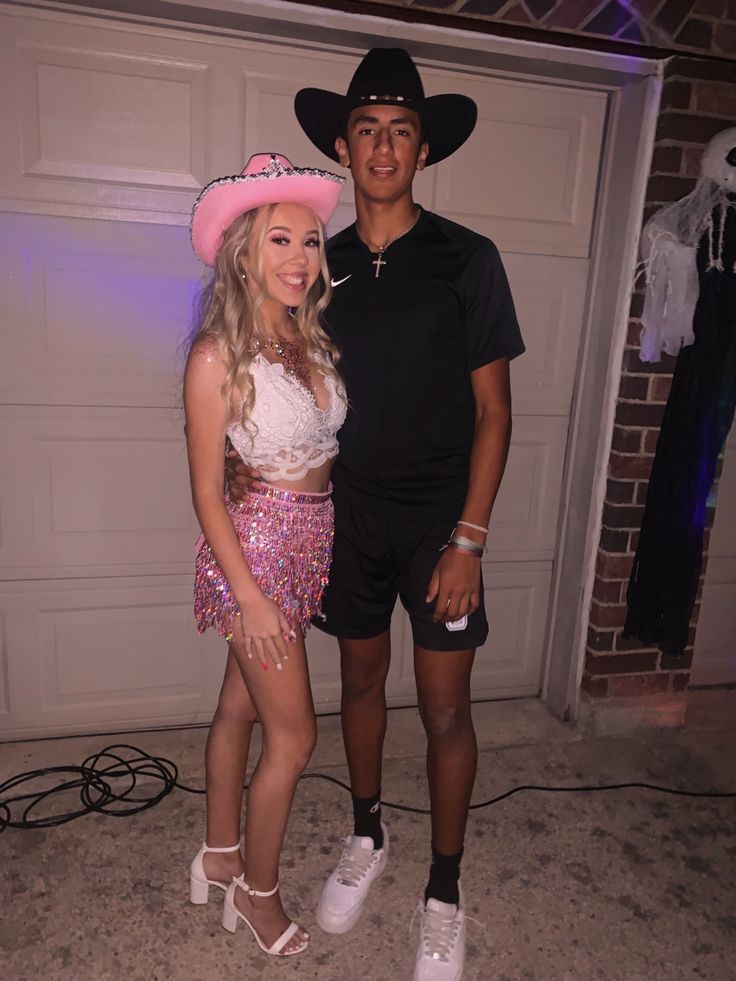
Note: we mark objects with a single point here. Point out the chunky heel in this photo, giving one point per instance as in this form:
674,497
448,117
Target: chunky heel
231,914
198,891
229,917
199,884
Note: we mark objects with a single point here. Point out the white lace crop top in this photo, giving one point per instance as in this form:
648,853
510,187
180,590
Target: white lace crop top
289,434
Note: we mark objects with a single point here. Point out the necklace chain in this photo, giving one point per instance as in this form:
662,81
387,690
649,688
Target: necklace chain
380,261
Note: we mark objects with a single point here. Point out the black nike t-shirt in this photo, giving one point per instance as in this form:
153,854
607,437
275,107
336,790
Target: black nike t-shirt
409,339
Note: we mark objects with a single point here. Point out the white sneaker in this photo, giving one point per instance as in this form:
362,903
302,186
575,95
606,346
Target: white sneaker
347,888
441,941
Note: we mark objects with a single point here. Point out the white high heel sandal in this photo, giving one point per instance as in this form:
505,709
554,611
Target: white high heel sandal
231,914
199,884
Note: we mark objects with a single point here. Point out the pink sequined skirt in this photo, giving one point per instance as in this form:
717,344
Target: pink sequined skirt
286,537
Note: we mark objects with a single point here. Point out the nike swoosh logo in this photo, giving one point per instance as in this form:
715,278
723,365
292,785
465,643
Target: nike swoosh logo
337,282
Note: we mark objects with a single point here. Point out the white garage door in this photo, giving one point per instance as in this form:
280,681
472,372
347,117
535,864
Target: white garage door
109,132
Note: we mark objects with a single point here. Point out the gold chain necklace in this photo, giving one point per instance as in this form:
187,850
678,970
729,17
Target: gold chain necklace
380,261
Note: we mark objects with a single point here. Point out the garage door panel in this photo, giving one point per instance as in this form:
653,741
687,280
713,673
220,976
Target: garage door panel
4,686
100,310
516,604
549,294
723,534
158,108
516,598
536,186
102,489
108,653
527,507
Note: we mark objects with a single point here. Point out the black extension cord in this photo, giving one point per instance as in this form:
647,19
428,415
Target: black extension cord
94,778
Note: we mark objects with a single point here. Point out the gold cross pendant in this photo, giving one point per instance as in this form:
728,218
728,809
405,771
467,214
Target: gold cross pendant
378,263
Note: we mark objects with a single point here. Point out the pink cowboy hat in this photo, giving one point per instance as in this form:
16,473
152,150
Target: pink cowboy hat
268,178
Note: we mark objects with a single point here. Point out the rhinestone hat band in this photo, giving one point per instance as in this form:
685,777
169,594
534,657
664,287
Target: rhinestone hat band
272,171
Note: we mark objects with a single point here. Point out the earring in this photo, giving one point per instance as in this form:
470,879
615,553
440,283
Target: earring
242,275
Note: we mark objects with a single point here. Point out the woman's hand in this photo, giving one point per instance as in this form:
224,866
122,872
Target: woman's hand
264,631
455,585
238,476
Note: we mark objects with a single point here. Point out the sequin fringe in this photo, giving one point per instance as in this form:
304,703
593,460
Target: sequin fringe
286,538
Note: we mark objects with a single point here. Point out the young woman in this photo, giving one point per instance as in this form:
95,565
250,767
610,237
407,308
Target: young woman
261,372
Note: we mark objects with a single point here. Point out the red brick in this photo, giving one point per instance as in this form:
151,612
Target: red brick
633,365
691,160
659,388
607,616
569,14
517,15
613,566
696,33
627,467
710,8
676,94
651,438
642,488
626,440
636,307
633,387
614,541
719,99
633,541
638,684
682,663
631,644
633,334
672,15
689,128
668,159
680,681
663,187
692,67
644,414
600,640
606,591
613,664
622,516
620,491
594,687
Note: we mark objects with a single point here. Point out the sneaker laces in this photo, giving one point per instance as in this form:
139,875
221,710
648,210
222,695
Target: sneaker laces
438,931
354,863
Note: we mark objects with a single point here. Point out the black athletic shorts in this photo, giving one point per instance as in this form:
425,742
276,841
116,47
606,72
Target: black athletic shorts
376,558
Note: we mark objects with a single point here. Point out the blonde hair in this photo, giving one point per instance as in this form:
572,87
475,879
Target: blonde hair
229,315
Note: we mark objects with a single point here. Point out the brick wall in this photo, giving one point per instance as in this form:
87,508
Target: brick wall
699,100
670,25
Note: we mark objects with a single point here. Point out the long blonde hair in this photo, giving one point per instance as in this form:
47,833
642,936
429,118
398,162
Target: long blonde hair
230,316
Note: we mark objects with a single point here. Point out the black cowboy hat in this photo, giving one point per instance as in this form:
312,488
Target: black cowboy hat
447,120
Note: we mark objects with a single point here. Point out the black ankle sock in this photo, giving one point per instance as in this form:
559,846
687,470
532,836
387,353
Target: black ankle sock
367,817
444,875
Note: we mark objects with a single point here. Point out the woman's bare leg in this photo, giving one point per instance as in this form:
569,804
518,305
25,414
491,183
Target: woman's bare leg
226,760
283,701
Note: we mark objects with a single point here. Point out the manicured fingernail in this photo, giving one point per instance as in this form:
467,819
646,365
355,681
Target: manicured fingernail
278,667
264,666
285,657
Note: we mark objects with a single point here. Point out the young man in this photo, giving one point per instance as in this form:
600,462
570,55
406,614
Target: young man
424,319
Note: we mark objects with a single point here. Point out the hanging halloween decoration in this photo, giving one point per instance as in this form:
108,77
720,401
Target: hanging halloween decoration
689,252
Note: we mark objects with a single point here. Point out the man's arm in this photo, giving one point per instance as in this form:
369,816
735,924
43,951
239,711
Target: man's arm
455,583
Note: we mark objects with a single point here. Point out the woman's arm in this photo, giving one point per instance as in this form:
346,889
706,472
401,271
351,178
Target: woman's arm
207,418
455,583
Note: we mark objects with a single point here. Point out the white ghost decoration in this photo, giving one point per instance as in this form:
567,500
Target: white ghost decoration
669,246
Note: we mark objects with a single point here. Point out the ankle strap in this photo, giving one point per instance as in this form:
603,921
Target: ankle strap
239,880
231,848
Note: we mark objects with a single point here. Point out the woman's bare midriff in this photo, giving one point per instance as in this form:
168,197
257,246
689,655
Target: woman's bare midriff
314,481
